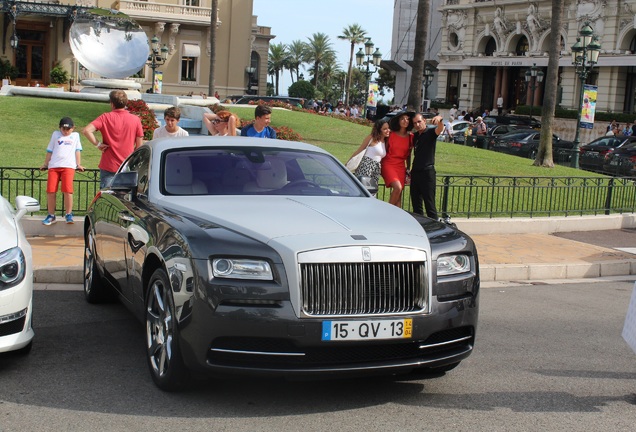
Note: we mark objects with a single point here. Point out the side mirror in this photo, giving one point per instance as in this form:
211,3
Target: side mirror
26,204
369,184
125,181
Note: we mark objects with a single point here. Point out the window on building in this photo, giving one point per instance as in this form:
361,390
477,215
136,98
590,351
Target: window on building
192,2
491,47
522,46
452,88
189,61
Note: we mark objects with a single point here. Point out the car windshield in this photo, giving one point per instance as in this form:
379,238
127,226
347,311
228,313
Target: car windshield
255,171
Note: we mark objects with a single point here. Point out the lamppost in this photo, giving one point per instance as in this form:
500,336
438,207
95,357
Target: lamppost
534,77
157,57
584,56
250,70
428,79
372,58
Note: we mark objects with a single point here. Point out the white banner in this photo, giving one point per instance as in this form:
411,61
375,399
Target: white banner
629,329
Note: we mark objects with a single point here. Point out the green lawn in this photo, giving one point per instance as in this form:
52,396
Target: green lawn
27,123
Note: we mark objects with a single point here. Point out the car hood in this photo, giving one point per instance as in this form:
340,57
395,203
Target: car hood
303,223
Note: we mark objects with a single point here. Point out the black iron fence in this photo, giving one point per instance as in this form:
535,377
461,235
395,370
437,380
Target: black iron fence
457,196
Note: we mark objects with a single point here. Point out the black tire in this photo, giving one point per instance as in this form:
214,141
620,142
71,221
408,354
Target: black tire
162,335
533,154
95,289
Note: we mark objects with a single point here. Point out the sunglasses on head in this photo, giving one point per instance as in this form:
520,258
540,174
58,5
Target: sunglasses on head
217,121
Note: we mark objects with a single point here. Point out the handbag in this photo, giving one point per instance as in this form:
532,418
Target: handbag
352,164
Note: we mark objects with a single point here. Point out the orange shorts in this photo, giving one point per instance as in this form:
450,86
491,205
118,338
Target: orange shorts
55,175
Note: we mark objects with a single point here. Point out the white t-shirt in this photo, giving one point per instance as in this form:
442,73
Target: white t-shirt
62,149
163,133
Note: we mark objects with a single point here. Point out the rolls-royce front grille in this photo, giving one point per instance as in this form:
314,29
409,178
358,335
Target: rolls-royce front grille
363,288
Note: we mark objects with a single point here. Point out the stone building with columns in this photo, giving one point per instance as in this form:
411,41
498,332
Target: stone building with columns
41,29
487,47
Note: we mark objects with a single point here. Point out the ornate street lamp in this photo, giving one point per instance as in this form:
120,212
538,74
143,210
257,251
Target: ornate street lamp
428,79
585,54
158,56
371,59
534,77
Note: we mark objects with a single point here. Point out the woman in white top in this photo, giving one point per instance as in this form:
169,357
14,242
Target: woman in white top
374,147
223,123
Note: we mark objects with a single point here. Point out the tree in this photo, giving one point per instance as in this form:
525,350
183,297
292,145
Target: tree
544,155
296,55
276,61
214,17
319,50
302,89
386,81
355,35
414,101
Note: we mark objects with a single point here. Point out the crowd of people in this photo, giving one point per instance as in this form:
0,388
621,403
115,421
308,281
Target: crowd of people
615,129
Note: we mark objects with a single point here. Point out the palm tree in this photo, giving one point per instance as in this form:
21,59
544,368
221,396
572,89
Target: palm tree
319,50
296,50
276,61
213,19
544,156
355,35
417,72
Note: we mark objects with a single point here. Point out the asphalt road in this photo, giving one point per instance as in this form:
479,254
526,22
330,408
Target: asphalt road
547,357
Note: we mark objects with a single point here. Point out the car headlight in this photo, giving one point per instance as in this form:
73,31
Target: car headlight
452,264
12,267
235,268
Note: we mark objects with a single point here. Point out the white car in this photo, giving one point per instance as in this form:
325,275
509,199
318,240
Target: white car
16,277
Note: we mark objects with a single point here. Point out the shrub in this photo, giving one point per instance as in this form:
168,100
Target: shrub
7,70
147,116
302,89
59,75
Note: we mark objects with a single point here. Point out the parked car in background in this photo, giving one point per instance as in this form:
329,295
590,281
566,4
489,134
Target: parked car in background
593,155
525,143
497,130
258,256
16,277
459,129
510,119
621,161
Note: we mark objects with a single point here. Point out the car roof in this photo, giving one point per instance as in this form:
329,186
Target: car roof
168,143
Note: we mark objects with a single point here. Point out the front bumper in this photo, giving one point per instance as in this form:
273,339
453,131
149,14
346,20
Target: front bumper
273,341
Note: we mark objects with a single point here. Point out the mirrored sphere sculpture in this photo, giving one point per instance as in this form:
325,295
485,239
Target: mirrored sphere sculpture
109,44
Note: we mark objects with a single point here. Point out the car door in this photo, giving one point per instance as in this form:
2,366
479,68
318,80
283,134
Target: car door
133,216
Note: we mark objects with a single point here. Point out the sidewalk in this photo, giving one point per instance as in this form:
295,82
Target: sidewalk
530,256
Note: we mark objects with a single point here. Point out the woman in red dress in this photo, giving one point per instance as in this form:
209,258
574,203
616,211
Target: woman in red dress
398,156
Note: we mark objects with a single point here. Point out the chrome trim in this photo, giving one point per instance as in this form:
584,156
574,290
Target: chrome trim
465,338
256,352
14,316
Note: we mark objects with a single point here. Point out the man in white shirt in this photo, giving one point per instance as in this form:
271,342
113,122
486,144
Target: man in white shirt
171,116
453,111
448,129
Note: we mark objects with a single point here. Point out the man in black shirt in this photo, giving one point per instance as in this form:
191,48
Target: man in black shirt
423,180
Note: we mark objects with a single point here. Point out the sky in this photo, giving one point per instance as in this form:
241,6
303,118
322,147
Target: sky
299,19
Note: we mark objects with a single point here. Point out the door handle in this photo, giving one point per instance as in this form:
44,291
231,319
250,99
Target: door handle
124,215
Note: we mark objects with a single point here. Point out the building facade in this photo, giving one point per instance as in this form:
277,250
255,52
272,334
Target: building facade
487,46
183,26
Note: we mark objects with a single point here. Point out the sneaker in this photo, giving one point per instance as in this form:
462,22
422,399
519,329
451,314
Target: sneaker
50,219
69,218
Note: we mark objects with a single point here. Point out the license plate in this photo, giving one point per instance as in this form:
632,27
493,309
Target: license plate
366,330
